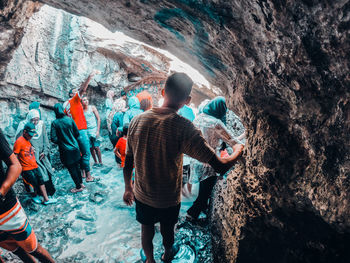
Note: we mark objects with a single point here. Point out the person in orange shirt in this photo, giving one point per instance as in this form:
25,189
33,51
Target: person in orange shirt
16,233
120,147
30,173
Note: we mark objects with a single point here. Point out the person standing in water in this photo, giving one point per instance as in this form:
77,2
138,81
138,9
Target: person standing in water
93,129
73,108
26,156
157,140
65,133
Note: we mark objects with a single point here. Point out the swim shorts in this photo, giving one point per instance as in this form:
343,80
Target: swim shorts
148,215
32,179
15,230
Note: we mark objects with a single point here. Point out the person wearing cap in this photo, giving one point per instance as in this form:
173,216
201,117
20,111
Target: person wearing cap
41,145
16,233
30,173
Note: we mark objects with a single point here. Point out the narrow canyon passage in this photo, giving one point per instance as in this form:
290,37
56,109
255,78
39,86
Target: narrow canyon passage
283,67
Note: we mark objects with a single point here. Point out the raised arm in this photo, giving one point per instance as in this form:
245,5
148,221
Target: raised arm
95,111
85,84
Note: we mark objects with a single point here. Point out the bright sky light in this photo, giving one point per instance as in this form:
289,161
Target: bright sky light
120,38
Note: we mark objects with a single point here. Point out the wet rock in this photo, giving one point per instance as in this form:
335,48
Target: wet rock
106,170
283,66
90,229
98,197
86,216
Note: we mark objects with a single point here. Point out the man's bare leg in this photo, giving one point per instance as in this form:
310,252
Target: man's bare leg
167,231
24,256
99,155
147,234
42,254
43,191
93,154
89,178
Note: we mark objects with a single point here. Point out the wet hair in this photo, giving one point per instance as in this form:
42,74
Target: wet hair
178,87
145,104
125,129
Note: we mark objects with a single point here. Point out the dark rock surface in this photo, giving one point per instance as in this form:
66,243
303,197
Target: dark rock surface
284,67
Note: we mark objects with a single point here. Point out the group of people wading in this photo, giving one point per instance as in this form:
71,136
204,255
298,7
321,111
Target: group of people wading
149,144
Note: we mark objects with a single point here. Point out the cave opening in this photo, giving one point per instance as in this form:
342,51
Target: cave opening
283,66
57,51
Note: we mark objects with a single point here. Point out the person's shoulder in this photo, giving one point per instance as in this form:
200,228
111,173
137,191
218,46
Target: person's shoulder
20,141
182,120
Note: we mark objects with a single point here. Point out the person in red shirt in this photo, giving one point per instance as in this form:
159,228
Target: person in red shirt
30,173
120,147
73,108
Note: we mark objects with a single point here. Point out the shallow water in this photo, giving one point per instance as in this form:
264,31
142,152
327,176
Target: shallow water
96,226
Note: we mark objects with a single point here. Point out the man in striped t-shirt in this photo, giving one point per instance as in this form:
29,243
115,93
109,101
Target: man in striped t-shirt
157,140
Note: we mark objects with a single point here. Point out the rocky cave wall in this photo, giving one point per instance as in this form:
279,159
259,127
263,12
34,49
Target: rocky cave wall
57,52
284,67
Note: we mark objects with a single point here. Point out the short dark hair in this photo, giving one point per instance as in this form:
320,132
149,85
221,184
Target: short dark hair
178,87
125,129
71,91
145,104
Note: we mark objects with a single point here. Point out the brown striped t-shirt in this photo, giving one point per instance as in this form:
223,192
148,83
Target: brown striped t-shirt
157,140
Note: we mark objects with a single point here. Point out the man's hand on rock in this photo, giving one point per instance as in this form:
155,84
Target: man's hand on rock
238,148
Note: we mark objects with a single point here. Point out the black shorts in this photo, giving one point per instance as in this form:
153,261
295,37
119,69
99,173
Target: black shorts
148,215
33,178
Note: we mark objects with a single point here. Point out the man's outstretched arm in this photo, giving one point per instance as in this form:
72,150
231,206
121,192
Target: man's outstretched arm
127,171
13,171
222,165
